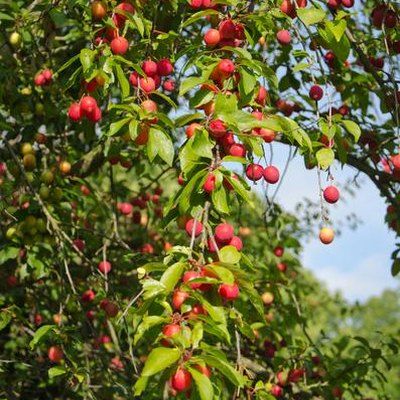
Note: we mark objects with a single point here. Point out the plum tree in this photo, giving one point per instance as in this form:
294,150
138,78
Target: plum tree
132,244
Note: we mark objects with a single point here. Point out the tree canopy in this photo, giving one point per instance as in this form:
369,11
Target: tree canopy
136,259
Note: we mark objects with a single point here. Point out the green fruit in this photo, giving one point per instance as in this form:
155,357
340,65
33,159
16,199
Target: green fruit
15,39
29,162
39,109
47,177
11,233
26,148
26,91
30,221
41,225
30,177
57,194
44,192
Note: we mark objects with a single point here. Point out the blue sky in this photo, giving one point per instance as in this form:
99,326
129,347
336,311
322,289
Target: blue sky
358,262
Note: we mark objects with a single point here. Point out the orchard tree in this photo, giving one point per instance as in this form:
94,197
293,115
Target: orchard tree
136,261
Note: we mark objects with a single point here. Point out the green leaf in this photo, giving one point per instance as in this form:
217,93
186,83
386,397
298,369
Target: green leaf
301,66
147,323
197,334
185,119
198,15
247,84
240,190
325,157
219,197
223,273
67,64
352,128
165,98
159,359
337,28
5,318
190,83
225,369
115,127
140,385
395,267
56,371
123,82
229,255
160,144
133,129
86,57
40,334
171,276
201,145
311,16
203,384
8,253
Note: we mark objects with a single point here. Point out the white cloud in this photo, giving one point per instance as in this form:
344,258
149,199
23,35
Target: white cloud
360,280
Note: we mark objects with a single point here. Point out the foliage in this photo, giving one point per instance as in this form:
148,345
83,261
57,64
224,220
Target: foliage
122,273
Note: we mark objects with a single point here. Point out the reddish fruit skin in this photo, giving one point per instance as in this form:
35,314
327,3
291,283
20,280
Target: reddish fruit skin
390,19
169,85
125,208
88,104
226,67
147,84
165,67
149,106
99,10
95,115
282,267
261,98
181,380
271,174
237,150
191,129
326,235
74,112
149,68
227,29
254,172
276,391
209,184
395,160
48,75
334,4
337,392
40,80
283,36
228,292
212,37
193,224
224,233
55,354
79,244
171,330
178,298
236,242
190,275
203,369
316,93
217,128
331,194
267,134
119,45
88,296
278,251
270,349
348,3
104,267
